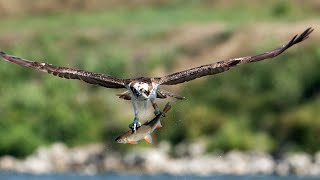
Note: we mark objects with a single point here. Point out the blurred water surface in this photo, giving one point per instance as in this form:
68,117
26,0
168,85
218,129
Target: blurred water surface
114,176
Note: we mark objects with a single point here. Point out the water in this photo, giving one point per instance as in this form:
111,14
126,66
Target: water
113,176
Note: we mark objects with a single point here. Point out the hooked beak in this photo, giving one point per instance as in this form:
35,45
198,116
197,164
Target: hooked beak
139,93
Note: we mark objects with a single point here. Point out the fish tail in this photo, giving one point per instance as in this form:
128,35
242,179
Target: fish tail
167,107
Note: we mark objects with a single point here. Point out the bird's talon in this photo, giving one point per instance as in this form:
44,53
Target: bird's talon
157,112
133,126
138,124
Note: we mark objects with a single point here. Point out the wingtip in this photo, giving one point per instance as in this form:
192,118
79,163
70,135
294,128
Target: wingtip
304,35
310,29
299,38
307,33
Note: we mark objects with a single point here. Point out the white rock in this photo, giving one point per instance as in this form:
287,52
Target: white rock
181,150
300,163
218,165
207,165
237,162
8,163
317,158
282,168
84,154
134,159
59,156
90,169
165,147
260,163
155,160
178,166
196,149
37,166
314,170
113,162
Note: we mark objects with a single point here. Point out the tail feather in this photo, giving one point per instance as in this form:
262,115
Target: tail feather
167,107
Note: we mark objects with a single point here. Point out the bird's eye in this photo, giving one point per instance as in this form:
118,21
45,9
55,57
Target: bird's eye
136,91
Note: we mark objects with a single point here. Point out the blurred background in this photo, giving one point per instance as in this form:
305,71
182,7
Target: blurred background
271,106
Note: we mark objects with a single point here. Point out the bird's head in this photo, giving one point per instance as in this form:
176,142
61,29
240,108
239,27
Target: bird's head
140,89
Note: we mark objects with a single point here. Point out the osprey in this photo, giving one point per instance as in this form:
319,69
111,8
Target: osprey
147,89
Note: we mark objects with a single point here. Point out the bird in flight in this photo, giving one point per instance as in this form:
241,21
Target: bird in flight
145,89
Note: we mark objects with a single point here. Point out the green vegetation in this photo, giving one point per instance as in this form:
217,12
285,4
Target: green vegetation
264,106
268,106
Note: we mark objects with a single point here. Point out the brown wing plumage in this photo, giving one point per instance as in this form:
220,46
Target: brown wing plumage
222,66
163,94
68,73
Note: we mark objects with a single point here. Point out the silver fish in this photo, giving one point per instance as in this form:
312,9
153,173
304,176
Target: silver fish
144,131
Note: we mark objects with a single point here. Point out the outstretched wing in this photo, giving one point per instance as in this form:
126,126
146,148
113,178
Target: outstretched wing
68,73
221,66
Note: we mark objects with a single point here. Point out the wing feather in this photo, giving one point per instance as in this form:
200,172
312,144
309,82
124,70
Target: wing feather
221,66
68,73
162,94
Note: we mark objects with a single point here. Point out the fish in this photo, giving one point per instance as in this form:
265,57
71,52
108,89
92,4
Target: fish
144,131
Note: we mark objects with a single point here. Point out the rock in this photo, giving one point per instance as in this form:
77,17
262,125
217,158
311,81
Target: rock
282,168
209,164
59,156
181,150
299,163
317,158
217,164
165,147
237,162
36,165
155,160
8,163
261,163
134,159
314,170
46,159
90,169
112,162
196,149
86,155
177,166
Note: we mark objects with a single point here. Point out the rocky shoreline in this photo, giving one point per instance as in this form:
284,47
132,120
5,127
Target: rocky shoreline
95,158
